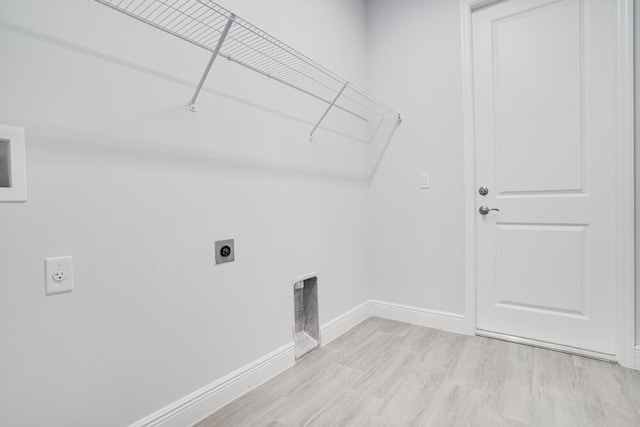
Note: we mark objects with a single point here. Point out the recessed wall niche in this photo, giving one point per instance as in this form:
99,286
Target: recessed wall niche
5,164
13,170
307,328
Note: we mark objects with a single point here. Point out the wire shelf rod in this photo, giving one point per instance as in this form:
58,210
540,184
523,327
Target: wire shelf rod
201,23
374,100
180,12
267,57
290,50
278,53
326,101
245,57
232,37
271,76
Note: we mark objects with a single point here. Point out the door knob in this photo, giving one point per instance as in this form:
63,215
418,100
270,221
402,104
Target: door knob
485,210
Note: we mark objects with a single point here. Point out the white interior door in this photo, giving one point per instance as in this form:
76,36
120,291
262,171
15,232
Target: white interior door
545,132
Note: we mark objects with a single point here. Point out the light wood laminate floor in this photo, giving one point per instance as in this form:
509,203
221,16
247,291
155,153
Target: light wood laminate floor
386,373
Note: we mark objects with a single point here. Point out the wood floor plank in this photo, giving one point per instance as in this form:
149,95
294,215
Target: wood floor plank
386,373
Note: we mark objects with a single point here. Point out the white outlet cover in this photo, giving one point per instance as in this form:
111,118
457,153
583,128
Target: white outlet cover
54,266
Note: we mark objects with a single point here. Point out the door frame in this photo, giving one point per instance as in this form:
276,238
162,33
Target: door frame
625,268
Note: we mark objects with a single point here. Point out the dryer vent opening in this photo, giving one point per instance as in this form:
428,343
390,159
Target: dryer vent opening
307,329
5,164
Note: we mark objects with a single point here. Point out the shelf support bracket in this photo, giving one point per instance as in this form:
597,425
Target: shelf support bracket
327,110
223,36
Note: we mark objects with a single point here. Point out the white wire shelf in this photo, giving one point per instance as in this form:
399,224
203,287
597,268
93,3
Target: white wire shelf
210,26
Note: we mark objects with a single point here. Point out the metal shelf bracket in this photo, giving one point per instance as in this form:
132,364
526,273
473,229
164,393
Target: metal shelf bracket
327,110
216,50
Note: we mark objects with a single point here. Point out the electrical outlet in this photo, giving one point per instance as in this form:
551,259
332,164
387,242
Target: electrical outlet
225,251
58,275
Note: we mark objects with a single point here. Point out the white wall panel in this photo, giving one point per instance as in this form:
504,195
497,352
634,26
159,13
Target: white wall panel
417,242
137,188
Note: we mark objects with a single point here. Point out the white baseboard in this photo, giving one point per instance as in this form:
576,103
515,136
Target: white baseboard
419,316
637,357
199,404
341,324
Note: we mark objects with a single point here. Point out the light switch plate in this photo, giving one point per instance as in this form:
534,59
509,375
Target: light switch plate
58,275
425,181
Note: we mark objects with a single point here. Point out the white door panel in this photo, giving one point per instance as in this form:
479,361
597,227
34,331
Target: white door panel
557,288
530,71
544,86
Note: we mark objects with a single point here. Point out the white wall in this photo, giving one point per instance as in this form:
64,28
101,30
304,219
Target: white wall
137,188
418,235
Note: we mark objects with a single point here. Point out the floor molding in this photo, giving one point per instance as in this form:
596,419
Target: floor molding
199,404
341,324
419,316
637,357
203,402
